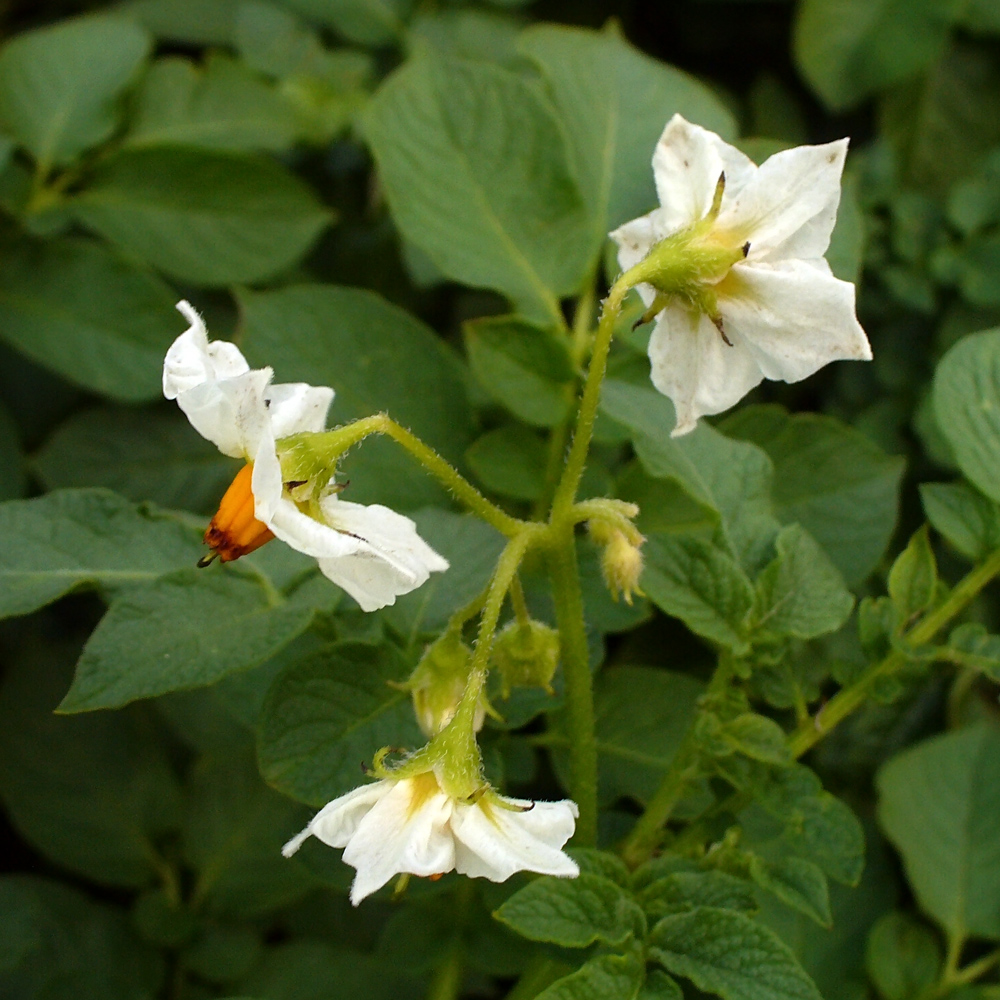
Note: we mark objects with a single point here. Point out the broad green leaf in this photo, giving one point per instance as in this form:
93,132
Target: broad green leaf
467,34
223,953
57,942
476,173
93,795
614,102
642,716
377,358
692,579
797,882
680,892
366,22
727,953
84,538
940,805
842,488
143,454
573,913
59,86
232,836
328,713
607,977
510,460
524,366
192,22
970,521
904,957
77,309
13,480
220,106
967,403
596,862
757,737
659,986
203,216
800,593
913,578
185,630
850,49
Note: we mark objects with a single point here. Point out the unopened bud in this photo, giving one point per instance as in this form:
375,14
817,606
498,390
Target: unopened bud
437,684
621,564
526,654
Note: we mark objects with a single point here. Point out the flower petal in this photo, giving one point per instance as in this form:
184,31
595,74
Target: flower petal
399,835
788,209
296,407
192,360
494,842
793,318
696,368
230,412
687,162
337,821
635,239
308,535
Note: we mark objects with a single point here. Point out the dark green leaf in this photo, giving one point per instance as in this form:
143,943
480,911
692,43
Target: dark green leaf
797,882
328,714
680,892
608,977
193,22
970,521
367,22
511,461
659,986
913,577
904,957
13,480
476,173
728,953
76,538
757,737
59,85
207,217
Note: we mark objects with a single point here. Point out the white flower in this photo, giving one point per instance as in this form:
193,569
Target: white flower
411,825
781,310
372,552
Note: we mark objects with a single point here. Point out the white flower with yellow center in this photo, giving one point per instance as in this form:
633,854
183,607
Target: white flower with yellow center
732,266
411,825
372,552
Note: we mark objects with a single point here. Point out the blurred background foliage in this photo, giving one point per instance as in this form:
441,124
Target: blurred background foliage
222,151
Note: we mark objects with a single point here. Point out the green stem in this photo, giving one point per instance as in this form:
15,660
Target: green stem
850,698
447,980
518,602
575,656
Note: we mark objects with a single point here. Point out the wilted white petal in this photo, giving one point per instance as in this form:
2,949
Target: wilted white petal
789,207
687,163
191,359
230,413
494,842
696,368
405,831
297,407
793,318
309,535
337,821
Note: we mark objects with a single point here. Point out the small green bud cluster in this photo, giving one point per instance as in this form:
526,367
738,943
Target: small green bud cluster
526,654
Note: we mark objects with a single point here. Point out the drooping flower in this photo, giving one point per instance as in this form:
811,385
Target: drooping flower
411,825
371,551
732,266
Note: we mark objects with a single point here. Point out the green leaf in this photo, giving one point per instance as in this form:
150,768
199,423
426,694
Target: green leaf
642,714
913,577
143,454
659,986
828,477
329,712
185,630
203,216
940,805
366,22
607,977
757,737
967,403
77,309
850,49
729,954
980,649
13,480
232,836
614,102
475,170
76,538
59,85
904,957
377,358
696,581
680,892
59,943
223,953
970,521
510,460
573,913
797,882
95,794
800,593
192,22
221,106
524,366
596,862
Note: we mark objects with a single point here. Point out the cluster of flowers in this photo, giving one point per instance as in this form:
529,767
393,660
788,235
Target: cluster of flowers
731,268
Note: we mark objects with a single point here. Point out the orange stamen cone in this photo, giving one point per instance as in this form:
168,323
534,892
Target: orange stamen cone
234,530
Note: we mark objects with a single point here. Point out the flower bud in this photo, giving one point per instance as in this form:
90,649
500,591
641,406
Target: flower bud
526,654
437,684
621,564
